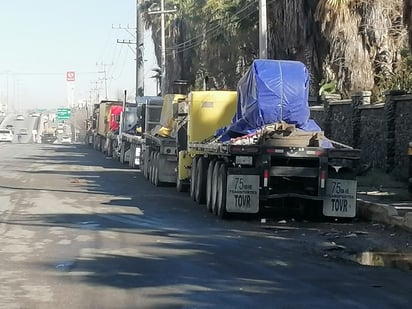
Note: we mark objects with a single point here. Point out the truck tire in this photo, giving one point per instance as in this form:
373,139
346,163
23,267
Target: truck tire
122,155
201,179
145,165
193,177
209,175
215,177
132,158
156,182
151,167
154,168
221,192
181,186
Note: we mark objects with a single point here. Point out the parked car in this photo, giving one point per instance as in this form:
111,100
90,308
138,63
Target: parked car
19,117
6,135
10,127
66,139
48,138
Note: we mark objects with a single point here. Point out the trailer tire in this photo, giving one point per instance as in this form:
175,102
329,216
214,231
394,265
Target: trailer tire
151,161
132,158
193,177
201,179
209,200
181,186
145,165
156,180
122,155
221,192
215,177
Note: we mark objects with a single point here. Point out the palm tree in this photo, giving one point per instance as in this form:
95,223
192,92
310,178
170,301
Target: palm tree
353,44
407,15
365,38
207,38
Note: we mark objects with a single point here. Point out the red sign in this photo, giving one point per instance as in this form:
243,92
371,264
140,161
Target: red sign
70,76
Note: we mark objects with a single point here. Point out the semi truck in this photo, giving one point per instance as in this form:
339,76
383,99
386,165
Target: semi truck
147,113
103,121
241,152
109,120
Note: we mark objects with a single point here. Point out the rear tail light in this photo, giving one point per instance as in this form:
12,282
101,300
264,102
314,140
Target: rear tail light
322,179
265,178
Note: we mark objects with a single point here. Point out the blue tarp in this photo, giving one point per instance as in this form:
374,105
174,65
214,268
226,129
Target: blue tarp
272,91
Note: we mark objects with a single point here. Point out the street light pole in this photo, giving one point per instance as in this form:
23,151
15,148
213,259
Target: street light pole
139,53
263,32
163,44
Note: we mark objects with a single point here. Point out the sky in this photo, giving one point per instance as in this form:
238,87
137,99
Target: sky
42,40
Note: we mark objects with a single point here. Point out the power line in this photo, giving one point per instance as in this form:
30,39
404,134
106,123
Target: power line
45,73
211,32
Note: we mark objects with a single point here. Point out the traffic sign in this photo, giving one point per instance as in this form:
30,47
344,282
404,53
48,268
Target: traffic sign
63,113
70,76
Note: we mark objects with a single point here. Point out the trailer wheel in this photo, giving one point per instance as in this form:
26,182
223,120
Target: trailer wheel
151,166
209,198
215,177
201,179
221,192
145,165
156,181
193,177
181,186
132,158
154,168
122,155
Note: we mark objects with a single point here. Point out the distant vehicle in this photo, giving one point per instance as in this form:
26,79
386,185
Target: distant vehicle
35,115
23,131
66,140
19,117
10,127
60,125
6,135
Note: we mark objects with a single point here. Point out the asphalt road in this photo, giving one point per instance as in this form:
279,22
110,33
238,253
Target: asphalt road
29,123
80,231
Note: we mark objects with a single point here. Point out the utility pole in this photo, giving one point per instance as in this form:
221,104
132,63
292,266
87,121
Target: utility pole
163,43
139,51
97,89
138,42
105,76
263,32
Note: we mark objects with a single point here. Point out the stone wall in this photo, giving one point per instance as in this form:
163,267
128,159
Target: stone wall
382,131
403,134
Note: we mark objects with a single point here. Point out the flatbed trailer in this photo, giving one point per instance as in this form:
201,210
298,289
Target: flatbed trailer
243,176
130,149
159,159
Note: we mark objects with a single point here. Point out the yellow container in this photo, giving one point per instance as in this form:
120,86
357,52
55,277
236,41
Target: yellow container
167,121
208,112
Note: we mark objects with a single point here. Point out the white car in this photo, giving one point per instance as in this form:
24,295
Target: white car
66,140
6,135
19,117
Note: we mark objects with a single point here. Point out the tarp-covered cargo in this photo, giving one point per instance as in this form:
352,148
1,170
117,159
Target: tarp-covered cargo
272,91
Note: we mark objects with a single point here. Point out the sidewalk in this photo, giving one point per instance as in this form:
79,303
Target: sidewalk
384,200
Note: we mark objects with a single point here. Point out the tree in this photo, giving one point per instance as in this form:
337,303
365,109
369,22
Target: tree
353,44
211,38
407,15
